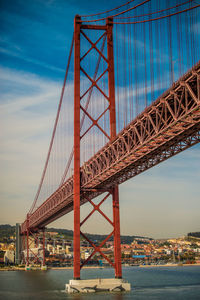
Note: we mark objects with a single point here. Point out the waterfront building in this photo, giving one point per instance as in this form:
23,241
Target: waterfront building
9,257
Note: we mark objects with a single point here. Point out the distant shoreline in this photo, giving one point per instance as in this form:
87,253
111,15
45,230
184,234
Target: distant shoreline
169,265
97,267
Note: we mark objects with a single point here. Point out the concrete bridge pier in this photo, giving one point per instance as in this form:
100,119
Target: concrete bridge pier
98,285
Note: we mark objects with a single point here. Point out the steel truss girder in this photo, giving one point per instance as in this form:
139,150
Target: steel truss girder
167,127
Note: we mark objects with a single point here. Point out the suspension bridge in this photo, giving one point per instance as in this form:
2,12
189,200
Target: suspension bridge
130,100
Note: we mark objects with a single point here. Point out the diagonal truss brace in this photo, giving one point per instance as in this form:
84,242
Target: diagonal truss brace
96,207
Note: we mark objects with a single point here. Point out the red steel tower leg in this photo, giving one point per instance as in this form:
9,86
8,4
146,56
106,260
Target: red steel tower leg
117,243
78,30
115,194
77,148
27,247
27,242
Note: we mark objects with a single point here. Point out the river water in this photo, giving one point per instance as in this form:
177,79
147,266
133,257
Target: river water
146,283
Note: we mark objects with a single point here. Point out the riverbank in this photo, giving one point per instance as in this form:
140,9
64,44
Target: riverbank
49,268
97,267
169,265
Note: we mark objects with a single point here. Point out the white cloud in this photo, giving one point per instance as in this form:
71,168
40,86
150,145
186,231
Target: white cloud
26,127
19,54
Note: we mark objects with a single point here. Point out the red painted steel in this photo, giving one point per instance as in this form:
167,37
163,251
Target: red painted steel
78,31
167,127
115,193
98,249
117,242
27,241
32,249
54,130
76,180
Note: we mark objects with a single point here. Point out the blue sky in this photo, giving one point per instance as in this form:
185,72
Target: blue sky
36,35
34,45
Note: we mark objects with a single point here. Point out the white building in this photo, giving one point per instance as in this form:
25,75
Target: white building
9,257
87,254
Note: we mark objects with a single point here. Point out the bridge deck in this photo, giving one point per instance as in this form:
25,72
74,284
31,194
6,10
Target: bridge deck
167,127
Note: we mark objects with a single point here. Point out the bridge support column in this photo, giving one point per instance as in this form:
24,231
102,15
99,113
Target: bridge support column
115,193
108,94
27,243
77,148
34,256
117,243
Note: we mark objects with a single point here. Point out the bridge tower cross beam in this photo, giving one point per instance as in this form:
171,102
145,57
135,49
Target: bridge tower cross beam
78,31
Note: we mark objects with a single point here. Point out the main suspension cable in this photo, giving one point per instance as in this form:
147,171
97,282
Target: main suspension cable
159,18
54,129
107,11
120,13
155,12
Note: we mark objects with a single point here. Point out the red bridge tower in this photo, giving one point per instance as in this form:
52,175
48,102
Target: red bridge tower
109,61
